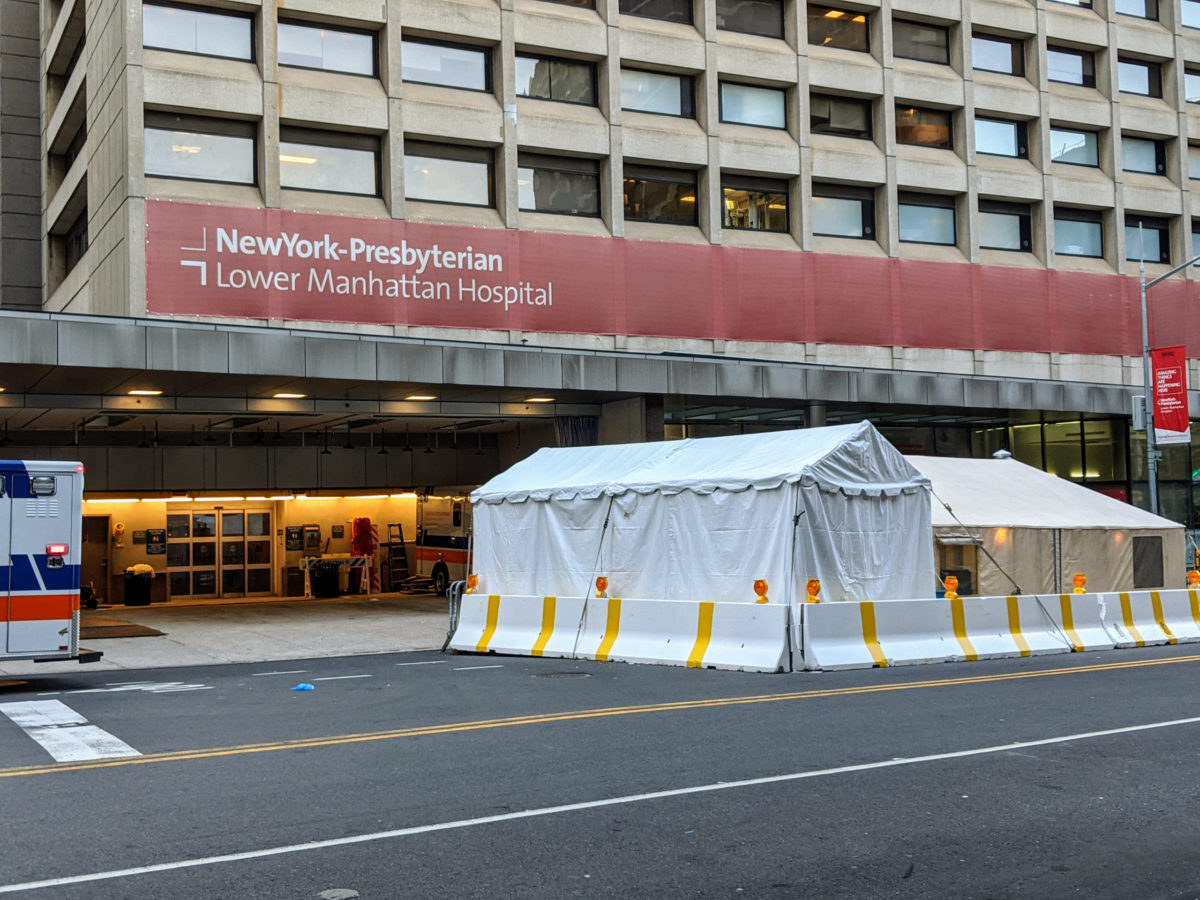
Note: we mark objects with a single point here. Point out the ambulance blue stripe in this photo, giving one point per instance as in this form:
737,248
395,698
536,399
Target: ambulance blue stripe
21,576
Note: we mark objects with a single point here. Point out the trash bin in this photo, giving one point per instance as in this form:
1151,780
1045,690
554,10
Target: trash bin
323,578
137,585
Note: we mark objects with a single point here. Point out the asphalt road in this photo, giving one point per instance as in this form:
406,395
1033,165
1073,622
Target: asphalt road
430,775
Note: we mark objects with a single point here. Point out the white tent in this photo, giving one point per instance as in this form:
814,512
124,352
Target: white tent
1040,530
706,517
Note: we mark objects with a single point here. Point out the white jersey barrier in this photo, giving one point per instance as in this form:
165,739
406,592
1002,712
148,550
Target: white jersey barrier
911,632
698,634
1147,618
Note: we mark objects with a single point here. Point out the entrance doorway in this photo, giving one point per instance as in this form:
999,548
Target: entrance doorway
93,560
219,553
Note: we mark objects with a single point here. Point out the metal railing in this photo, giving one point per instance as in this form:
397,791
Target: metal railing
454,595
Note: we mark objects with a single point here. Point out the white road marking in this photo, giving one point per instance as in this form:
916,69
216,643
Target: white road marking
339,677
288,672
477,668
427,662
64,733
577,807
150,687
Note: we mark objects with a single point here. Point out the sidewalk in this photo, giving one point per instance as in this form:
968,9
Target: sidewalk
219,631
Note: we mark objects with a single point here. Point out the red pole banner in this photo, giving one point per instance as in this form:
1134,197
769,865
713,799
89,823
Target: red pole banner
1169,365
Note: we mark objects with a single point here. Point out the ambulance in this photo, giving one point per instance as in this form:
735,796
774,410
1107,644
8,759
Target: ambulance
41,530
443,546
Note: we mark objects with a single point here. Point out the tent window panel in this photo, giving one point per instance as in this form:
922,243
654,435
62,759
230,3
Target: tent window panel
1147,562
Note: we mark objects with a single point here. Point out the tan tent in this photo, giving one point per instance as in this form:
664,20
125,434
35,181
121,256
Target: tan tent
1039,530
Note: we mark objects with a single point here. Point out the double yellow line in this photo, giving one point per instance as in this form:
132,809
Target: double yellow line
548,718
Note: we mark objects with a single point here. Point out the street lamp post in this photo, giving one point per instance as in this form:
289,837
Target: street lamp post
1148,399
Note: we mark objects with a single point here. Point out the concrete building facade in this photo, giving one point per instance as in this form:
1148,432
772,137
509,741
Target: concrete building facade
475,227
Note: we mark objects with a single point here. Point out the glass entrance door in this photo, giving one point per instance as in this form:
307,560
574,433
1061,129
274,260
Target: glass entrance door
219,553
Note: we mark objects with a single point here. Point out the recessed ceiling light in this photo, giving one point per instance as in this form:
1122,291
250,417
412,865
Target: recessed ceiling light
421,397
539,399
287,395
146,392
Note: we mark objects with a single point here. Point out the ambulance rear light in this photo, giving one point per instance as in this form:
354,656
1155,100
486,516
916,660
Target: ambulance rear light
56,549
80,468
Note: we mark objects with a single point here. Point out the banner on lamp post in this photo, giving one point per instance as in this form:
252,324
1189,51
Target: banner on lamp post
1170,396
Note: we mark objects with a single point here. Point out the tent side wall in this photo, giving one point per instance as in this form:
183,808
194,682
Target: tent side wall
866,547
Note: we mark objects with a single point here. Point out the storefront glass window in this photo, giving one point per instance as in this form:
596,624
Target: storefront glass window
1025,444
1064,450
1104,449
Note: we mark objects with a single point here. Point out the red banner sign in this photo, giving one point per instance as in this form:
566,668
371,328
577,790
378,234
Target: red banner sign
279,265
1169,366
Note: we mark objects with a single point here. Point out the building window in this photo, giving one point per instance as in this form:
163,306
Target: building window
1086,4
747,105
842,211
1070,66
1141,9
1143,155
1191,13
1137,77
1000,137
75,241
186,30
445,173
447,65
667,10
199,149
920,41
1004,226
845,29
991,53
585,4
334,163
658,92
328,49
926,218
660,195
1195,238
1076,148
1078,232
763,17
847,116
924,127
1191,87
562,80
1193,161
755,204
556,184
1147,238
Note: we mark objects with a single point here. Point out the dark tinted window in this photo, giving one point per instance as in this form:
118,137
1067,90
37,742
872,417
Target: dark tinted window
556,184
847,116
763,17
667,10
918,40
564,80
660,195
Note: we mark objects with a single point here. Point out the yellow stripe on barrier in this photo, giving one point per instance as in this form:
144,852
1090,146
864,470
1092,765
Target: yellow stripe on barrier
1195,600
611,627
703,635
1127,615
547,626
489,629
868,626
960,629
1014,626
1156,602
1068,617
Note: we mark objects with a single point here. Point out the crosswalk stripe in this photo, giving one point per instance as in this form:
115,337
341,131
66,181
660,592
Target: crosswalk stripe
64,733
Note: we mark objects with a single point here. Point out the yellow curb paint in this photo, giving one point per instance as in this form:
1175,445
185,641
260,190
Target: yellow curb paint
958,617
1127,615
1195,601
1156,603
703,635
872,641
548,604
489,629
611,627
1014,626
1068,617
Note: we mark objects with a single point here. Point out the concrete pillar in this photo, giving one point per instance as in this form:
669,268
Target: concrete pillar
815,417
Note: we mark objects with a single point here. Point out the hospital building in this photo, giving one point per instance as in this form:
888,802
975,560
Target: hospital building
268,267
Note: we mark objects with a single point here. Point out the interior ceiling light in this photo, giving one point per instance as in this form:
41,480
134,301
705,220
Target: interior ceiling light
144,392
539,399
287,395
421,397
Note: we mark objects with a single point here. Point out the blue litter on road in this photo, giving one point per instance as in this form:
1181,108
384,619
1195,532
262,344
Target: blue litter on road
304,686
